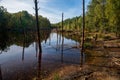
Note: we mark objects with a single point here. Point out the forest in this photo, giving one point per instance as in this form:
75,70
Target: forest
19,24
84,47
102,16
21,20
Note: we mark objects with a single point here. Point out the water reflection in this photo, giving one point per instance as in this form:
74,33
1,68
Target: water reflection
39,72
35,64
62,47
76,38
57,50
57,43
23,47
36,48
21,39
0,73
3,40
50,40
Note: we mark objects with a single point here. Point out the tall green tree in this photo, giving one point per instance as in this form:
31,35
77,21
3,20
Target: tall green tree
95,18
3,28
21,20
113,15
3,17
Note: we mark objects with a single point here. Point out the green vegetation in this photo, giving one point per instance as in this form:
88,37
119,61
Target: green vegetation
19,21
56,77
9,38
88,45
71,24
19,24
102,16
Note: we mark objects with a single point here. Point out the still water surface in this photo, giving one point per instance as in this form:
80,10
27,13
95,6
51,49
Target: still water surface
25,63
20,59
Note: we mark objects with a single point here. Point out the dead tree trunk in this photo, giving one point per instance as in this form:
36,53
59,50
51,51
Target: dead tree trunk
83,30
37,24
62,40
39,41
24,37
0,73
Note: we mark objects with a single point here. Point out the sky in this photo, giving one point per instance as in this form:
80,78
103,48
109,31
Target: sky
52,9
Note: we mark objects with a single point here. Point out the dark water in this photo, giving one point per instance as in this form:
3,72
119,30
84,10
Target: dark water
20,60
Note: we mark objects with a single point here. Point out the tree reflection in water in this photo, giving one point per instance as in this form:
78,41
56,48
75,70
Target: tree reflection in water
4,40
39,72
24,39
20,39
0,73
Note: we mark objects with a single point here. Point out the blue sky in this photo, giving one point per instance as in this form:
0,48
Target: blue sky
52,9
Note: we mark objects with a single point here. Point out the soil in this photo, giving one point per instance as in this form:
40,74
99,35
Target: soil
102,63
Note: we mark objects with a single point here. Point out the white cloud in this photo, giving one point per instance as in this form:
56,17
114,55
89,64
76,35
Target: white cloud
52,17
55,15
16,5
52,13
19,5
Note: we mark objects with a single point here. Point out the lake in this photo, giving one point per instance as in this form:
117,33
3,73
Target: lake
18,62
20,58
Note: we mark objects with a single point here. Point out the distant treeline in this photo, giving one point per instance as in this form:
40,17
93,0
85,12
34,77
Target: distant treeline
21,20
101,16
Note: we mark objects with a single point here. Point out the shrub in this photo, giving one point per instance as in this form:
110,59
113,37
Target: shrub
88,39
107,37
88,45
56,77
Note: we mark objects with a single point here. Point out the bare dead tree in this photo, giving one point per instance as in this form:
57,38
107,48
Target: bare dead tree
37,25
24,37
62,39
83,30
39,41
0,73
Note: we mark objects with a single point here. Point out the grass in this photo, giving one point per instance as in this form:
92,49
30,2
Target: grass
88,45
56,77
107,37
